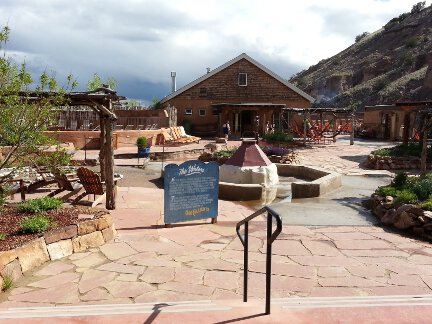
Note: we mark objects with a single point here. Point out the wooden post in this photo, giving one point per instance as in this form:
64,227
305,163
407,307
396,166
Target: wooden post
407,127
109,161
102,145
423,160
352,129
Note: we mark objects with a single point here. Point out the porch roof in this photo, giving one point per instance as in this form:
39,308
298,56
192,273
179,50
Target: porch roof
249,104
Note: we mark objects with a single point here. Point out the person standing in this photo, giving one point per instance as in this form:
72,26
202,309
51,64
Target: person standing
226,130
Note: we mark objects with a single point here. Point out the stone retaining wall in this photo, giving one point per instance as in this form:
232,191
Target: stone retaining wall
402,216
56,244
394,162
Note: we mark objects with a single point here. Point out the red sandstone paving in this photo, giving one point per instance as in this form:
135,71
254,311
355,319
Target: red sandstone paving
222,279
188,288
376,253
349,236
336,292
54,281
427,280
121,289
64,294
114,251
95,278
291,270
328,272
326,248
157,275
406,280
286,247
362,244
189,275
54,268
320,261
367,271
349,282
122,268
96,294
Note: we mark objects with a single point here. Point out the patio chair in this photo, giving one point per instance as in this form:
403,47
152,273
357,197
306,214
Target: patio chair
45,178
14,186
66,183
92,186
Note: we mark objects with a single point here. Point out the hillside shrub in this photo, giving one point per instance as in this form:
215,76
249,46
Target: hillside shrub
361,36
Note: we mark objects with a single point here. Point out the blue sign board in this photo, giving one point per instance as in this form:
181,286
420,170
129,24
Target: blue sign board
191,191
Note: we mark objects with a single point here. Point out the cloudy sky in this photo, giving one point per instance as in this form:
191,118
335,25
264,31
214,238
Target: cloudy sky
139,42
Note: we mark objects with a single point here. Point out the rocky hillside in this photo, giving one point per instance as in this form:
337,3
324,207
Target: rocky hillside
391,64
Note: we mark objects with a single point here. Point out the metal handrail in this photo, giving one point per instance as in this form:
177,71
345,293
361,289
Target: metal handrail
244,239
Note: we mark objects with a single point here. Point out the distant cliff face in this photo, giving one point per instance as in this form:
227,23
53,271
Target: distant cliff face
391,64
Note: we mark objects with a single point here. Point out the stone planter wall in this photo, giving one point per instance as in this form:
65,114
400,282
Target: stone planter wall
56,244
402,216
394,162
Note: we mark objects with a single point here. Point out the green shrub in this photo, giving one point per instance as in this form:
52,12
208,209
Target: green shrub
406,196
141,141
225,153
423,188
386,191
278,137
427,205
400,179
361,36
402,150
412,42
3,236
8,283
36,224
39,205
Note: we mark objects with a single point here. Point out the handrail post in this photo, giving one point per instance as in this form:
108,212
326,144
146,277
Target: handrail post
245,262
268,263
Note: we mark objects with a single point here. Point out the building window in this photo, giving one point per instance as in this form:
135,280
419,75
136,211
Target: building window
202,112
203,92
188,111
242,79
216,111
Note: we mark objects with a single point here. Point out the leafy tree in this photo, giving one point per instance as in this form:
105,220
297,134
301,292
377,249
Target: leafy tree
133,103
25,108
418,7
97,82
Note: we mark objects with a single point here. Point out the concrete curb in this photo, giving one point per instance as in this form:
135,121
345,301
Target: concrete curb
323,181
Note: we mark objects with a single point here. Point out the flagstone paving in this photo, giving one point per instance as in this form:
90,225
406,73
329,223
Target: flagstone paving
150,263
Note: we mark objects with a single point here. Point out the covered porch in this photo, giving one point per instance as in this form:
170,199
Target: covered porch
247,119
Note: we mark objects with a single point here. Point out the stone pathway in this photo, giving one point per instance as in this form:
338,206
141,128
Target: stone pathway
151,263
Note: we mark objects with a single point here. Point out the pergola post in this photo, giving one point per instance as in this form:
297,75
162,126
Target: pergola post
352,129
102,145
109,161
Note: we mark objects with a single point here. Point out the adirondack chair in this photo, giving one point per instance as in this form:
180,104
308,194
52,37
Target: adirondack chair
92,186
45,178
66,183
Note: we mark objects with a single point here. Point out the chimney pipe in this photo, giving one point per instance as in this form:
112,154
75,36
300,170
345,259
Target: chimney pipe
208,70
173,82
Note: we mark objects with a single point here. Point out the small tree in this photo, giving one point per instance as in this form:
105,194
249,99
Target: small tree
419,6
97,82
361,36
25,109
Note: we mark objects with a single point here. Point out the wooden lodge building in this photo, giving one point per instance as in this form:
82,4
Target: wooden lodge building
241,91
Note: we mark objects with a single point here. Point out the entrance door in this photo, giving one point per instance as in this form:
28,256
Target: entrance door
246,124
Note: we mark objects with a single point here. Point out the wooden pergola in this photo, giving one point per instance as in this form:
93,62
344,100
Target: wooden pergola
100,100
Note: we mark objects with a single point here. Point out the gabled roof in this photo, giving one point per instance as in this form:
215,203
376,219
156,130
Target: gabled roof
231,62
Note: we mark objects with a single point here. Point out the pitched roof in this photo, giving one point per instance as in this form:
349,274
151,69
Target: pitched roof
231,62
248,154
